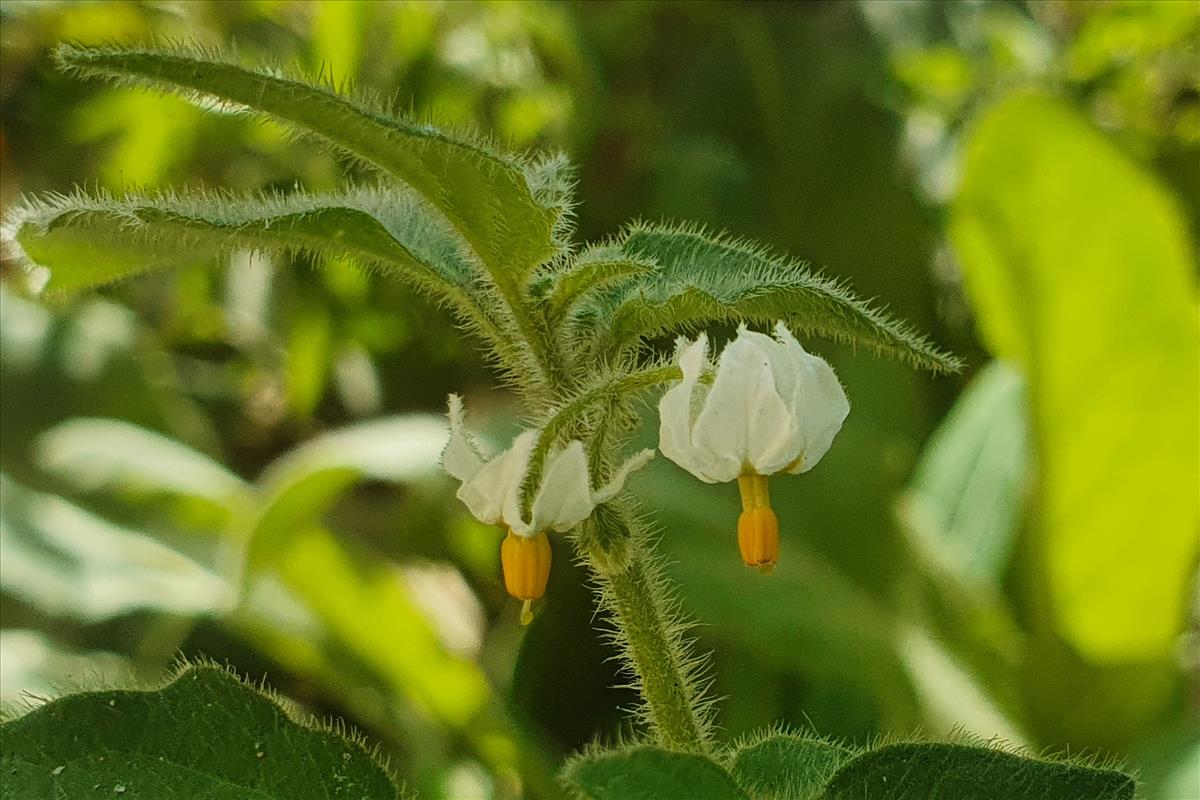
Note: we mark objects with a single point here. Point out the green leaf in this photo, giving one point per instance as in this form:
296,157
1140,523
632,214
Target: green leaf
968,493
67,561
485,195
206,734
594,269
937,771
303,484
702,279
650,773
89,240
98,453
786,767
1080,270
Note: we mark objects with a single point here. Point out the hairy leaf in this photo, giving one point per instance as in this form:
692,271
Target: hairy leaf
785,767
486,195
204,735
937,771
89,240
650,773
701,279
594,269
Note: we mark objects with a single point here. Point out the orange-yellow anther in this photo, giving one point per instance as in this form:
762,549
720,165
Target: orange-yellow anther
758,527
526,564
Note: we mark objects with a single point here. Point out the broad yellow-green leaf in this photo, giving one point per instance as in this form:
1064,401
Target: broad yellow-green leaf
1081,272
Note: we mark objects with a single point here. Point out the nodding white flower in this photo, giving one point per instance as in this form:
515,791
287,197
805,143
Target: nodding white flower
771,407
492,487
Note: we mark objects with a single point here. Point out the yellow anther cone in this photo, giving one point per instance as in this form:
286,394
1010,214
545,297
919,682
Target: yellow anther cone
758,527
526,564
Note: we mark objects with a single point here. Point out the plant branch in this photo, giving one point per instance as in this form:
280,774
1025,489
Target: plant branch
649,632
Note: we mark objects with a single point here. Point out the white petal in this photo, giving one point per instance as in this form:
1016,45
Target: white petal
610,489
461,458
565,497
743,417
678,407
491,494
822,407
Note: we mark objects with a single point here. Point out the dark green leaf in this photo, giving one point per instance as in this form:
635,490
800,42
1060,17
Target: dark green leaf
784,767
962,772
649,773
204,735
701,279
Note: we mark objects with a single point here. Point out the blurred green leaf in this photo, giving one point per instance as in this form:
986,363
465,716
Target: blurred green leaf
787,767
967,495
308,357
368,610
337,27
204,735
936,771
1081,271
650,773
31,665
93,454
152,135
69,562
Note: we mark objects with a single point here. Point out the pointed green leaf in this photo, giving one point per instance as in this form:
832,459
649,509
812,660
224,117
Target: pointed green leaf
594,269
1081,272
937,771
650,773
484,194
204,735
785,767
701,279
89,240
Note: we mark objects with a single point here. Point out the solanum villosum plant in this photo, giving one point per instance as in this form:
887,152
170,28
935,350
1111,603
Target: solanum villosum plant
569,326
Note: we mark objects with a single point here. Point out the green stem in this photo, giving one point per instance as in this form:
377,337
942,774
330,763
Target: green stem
649,633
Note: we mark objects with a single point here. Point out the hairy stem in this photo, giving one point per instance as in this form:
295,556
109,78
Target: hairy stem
649,633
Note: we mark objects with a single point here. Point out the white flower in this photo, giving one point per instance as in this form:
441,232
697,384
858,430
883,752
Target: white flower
491,487
772,407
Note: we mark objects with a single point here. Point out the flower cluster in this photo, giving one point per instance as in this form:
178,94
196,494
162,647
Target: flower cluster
766,406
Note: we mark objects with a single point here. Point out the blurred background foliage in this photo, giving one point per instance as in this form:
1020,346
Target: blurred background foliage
239,460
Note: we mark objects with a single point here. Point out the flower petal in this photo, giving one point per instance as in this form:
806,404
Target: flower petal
678,408
492,493
743,417
565,498
822,407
